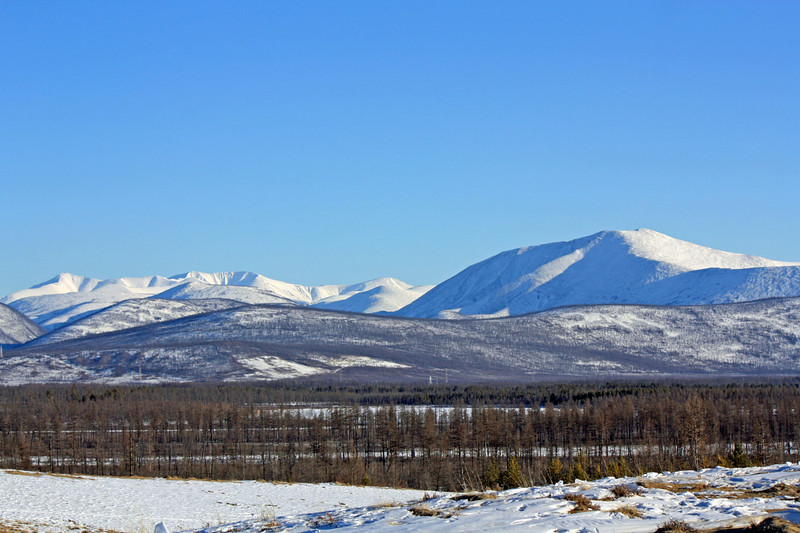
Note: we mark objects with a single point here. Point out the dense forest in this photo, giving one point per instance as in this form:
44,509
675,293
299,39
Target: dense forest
428,437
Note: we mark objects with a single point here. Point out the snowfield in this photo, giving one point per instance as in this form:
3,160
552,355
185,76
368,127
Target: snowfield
704,499
61,502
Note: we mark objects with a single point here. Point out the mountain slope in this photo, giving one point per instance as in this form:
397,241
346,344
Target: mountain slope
271,342
635,267
16,328
133,313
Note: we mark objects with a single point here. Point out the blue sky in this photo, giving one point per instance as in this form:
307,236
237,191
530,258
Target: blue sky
334,142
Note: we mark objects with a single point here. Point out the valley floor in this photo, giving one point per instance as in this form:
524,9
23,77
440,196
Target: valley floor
705,499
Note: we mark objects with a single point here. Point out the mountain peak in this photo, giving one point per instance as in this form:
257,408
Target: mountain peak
641,266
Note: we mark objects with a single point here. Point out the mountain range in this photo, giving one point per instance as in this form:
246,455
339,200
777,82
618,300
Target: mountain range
263,342
616,302
68,297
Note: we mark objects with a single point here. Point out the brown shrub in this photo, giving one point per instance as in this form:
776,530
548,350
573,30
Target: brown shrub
582,503
628,510
675,526
624,491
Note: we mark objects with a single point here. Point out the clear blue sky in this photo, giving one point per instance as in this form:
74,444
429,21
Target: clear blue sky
334,142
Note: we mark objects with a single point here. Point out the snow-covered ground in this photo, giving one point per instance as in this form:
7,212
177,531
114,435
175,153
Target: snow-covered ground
703,499
56,502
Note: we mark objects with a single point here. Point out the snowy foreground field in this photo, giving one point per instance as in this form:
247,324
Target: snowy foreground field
705,499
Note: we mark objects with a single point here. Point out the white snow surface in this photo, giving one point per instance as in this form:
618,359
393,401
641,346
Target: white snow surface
68,297
57,503
610,267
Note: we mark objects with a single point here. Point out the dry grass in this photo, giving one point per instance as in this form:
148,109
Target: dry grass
178,478
386,505
475,496
628,510
424,510
676,526
269,521
781,490
40,474
323,520
73,476
19,526
23,473
582,503
772,524
674,487
16,527
624,491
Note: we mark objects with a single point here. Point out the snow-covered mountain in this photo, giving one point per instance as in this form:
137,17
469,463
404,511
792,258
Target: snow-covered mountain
632,267
69,297
610,267
16,328
255,342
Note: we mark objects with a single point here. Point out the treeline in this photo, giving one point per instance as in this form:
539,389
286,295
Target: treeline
435,438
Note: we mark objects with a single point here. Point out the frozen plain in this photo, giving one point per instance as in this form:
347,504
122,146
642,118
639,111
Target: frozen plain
703,499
